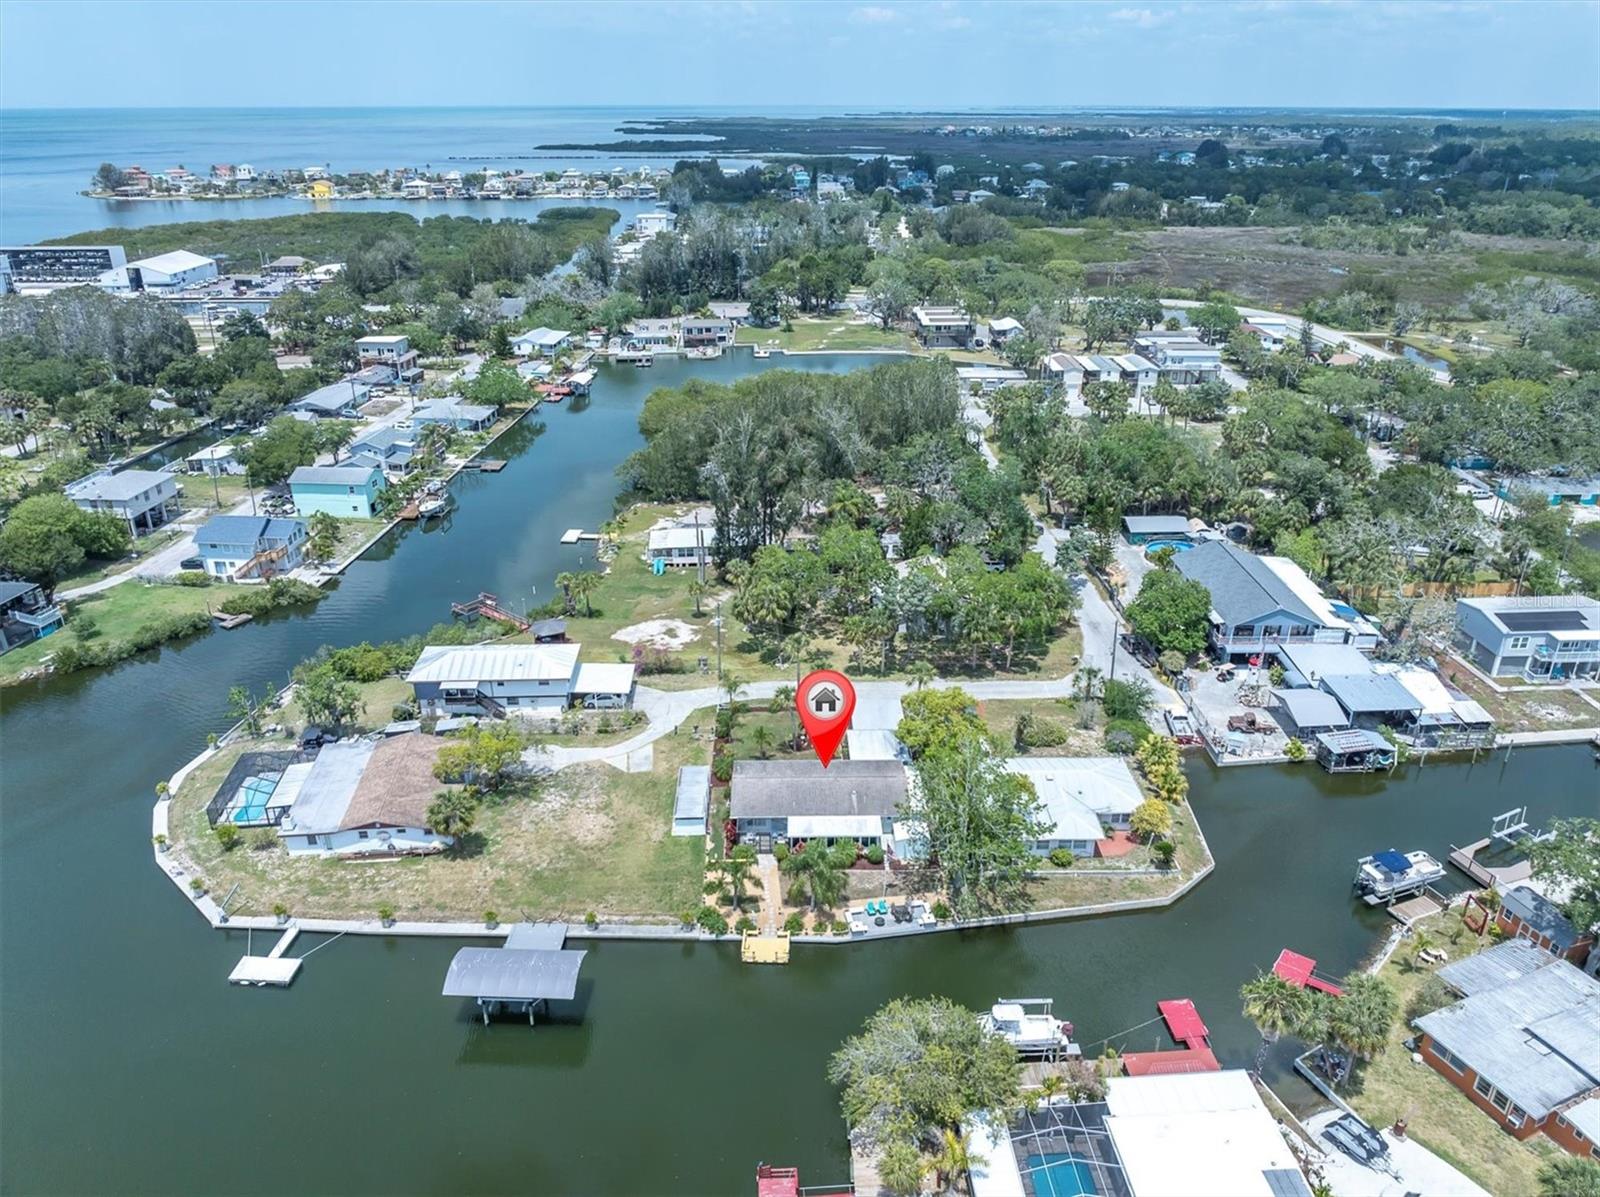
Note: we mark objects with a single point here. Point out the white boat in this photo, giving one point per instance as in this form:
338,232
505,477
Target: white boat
1386,876
1028,1025
762,351
433,505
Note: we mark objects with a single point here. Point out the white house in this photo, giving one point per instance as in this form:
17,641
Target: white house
653,334
214,460
464,417
367,798
545,342
497,679
650,224
1078,798
1003,329
145,499
245,547
685,545
393,351
180,268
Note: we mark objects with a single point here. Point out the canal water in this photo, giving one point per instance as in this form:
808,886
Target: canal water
129,1064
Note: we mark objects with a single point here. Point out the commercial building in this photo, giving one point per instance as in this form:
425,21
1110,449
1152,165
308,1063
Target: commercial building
1523,1043
1544,638
240,548
171,271
35,269
800,801
144,499
347,491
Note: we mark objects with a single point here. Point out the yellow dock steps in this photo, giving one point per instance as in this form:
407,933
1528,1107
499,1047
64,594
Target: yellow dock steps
764,949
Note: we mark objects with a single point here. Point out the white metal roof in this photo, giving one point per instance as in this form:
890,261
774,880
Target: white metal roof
599,677
173,263
470,664
1200,1134
682,537
128,484
327,789
1077,791
807,827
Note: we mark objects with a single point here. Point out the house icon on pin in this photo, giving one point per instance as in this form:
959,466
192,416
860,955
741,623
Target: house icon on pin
825,701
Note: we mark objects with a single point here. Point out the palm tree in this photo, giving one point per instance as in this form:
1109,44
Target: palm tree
921,673
585,584
564,580
1052,1086
815,869
762,739
1084,682
452,812
954,1160
697,591
732,683
794,648
783,698
1361,1019
1274,1005
737,868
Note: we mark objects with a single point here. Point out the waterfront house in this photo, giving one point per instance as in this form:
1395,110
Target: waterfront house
1523,1043
942,327
1079,797
800,801
495,679
682,546
1552,488
1260,603
25,614
393,351
336,401
652,334
170,271
1525,913
215,460
1540,638
734,313
239,548
143,499
347,491
463,417
367,798
704,332
651,224
1142,529
395,451
540,342
1180,358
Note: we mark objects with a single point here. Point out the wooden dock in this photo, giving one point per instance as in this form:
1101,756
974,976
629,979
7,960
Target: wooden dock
764,949
1412,910
488,606
574,535
232,621
483,466
1500,878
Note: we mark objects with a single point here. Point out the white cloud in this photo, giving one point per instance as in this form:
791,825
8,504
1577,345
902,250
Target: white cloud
1144,18
874,14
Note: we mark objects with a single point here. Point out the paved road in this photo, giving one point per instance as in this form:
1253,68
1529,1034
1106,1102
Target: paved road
1322,332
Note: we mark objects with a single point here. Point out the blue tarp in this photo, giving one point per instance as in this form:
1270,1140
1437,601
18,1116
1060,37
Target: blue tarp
1395,862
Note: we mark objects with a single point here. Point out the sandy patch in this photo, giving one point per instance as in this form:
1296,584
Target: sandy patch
658,633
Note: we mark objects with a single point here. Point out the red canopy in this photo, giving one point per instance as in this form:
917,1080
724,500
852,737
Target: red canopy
1299,970
1183,1022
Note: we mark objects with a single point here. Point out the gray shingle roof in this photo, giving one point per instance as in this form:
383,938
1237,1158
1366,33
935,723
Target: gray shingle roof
1540,914
780,789
1243,588
1536,1039
331,475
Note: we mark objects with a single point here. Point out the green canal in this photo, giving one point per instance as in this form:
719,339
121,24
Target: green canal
128,1064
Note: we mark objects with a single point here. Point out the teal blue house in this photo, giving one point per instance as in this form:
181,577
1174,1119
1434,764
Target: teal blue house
347,491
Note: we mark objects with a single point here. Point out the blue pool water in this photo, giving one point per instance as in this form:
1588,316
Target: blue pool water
1177,546
256,792
1058,1175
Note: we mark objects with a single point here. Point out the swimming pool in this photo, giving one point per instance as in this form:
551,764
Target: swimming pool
1177,546
1060,1174
253,798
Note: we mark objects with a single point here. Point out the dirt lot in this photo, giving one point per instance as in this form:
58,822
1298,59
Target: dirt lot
1546,709
1258,264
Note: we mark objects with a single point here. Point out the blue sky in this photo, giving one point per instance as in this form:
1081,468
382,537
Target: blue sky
877,53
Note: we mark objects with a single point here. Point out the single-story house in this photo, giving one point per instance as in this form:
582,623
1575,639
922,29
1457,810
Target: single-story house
1447,718
541,342
1142,529
1556,489
336,401
1079,797
1310,711
795,801
1527,914
25,614
1003,329
692,801
143,499
215,460
471,679
1261,603
735,313
603,684
1550,638
374,377
242,547
348,491
1523,1043
463,417
942,327
367,797
534,370
1372,698
989,379
682,545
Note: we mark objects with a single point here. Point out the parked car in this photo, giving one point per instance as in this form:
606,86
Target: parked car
190,563
604,702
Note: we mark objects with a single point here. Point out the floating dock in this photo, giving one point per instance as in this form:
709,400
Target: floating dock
764,949
272,969
1185,1026
1300,971
574,535
232,621
483,466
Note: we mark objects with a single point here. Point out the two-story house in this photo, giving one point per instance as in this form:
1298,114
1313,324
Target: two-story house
347,491
942,327
144,499
477,679
395,451
704,332
1181,359
25,614
392,351
1546,638
240,548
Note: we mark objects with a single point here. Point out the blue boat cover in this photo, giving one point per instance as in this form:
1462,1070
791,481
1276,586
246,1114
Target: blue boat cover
1395,862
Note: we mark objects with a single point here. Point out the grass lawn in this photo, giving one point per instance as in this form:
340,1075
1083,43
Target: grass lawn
94,570
1437,1114
1000,717
1053,893
1545,709
630,594
118,612
588,838
353,533
816,335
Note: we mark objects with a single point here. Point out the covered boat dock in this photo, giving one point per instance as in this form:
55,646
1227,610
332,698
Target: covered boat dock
1354,750
529,971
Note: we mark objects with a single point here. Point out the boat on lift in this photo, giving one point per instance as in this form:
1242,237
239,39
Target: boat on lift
1030,1026
1389,875
433,506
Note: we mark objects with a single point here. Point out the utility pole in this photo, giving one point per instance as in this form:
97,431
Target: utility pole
719,641
700,552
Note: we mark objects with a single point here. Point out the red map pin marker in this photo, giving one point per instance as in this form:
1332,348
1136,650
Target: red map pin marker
825,701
